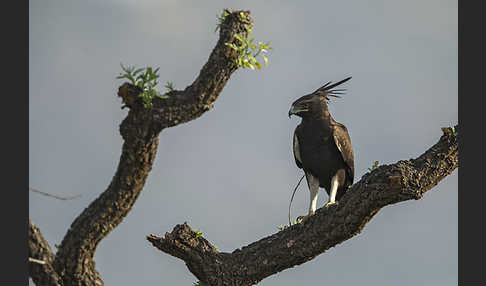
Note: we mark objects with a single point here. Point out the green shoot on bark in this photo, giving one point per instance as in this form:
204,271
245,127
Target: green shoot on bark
146,79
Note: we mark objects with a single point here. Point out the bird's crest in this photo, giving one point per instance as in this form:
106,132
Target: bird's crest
326,90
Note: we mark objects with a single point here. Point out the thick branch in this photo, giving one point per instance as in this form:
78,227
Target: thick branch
41,257
140,129
388,184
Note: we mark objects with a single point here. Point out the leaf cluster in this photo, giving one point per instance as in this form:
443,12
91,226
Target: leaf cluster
146,79
247,50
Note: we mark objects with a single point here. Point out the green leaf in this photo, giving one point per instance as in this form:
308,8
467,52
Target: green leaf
239,38
198,233
374,166
231,45
162,96
137,71
265,59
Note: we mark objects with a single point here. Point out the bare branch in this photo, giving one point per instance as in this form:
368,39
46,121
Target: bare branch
40,257
140,130
54,196
387,184
36,261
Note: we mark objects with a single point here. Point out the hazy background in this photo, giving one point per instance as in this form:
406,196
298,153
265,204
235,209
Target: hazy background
230,173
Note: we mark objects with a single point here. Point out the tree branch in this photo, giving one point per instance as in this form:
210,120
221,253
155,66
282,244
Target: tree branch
388,184
42,273
140,129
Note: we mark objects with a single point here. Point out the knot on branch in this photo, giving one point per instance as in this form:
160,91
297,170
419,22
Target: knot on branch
183,242
128,93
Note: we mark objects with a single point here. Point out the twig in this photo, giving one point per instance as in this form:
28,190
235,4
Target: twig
36,260
53,196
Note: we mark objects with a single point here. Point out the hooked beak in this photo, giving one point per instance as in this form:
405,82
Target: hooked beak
295,110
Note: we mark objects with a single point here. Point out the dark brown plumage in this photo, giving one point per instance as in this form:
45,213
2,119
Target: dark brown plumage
322,147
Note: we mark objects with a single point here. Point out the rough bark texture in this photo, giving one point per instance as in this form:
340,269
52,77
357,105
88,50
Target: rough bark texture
73,263
42,274
388,184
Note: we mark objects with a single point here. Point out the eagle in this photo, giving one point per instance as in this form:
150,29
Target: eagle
322,146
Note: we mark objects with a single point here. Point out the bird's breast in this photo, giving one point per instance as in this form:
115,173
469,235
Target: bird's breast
320,156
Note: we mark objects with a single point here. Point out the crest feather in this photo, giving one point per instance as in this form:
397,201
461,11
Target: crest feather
326,90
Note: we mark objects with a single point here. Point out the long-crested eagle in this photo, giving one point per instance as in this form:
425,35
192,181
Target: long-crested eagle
322,147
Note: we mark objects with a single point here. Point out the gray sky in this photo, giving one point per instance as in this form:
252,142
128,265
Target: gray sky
230,173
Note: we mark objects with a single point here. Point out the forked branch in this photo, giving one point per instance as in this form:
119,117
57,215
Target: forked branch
41,257
74,262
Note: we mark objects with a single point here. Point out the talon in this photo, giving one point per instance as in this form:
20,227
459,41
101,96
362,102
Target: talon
330,204
303,218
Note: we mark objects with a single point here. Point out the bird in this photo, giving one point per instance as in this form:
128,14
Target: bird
322,146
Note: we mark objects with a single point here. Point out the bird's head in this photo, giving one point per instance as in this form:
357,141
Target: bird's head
316,102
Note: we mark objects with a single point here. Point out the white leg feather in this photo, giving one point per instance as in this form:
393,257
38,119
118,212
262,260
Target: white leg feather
334,188
313,183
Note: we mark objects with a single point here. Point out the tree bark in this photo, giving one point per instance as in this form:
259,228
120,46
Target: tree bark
73,263
41,273
386,185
